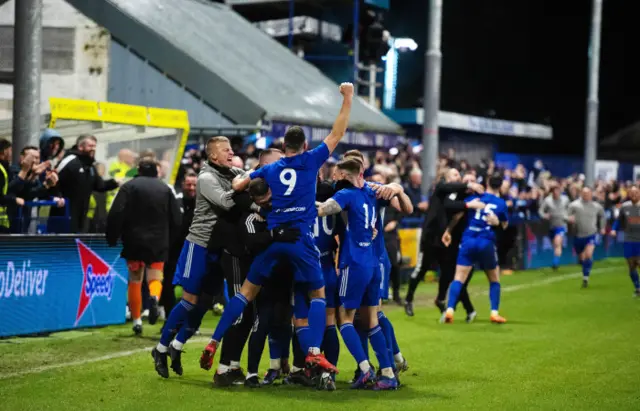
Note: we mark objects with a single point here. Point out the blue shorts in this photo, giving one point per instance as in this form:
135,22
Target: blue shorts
302,255
385,272
330,285
194,264
554,231
480,251
631,249
359,286
580,243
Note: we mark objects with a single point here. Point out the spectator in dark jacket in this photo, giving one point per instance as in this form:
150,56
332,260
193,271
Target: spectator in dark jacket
37,184
145,215
78,177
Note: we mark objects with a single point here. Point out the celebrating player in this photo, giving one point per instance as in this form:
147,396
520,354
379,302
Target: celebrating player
629,222
478,246
360,275
292,180
589,218
554,209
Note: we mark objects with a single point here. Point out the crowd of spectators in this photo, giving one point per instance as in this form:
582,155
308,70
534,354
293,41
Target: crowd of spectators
81,189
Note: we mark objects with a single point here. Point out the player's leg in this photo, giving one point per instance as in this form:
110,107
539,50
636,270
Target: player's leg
444,279
352,286
489,263
557,248
632,254
257,339
229,371
155,276
192,268
134,294
370,300
417,275
393,252
587,262
330,342
464,264
279,341
260,269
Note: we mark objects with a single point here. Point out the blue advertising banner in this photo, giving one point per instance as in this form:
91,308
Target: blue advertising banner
538,247
50,283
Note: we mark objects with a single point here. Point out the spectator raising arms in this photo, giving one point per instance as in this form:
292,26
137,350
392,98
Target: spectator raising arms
78,177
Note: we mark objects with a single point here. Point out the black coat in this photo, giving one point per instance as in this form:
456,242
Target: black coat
436,219
78,178
145,214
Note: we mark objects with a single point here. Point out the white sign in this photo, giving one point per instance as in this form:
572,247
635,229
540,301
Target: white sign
606,170
636,173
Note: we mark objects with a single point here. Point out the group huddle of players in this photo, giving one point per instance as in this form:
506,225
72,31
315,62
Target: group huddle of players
307,224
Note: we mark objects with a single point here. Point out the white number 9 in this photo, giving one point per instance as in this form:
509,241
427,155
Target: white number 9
288,177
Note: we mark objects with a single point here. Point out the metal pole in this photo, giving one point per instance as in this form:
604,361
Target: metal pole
433,64
591,138
373,73
291,13
356,42
27,67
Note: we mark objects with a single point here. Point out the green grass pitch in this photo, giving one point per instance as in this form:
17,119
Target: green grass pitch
563,348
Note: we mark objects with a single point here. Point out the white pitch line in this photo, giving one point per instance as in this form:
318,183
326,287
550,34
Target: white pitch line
119,354
129,353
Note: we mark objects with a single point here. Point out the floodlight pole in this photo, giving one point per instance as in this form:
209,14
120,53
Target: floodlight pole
433,66
591,137
27,68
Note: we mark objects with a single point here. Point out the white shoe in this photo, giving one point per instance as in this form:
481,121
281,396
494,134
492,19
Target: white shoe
443,318
127,314
162,315
471,317
145,314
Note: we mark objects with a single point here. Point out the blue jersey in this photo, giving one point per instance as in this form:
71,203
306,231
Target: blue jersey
379,246
293,188
356,244
477,226
324,232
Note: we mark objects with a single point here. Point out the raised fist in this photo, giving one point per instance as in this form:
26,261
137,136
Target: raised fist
346,89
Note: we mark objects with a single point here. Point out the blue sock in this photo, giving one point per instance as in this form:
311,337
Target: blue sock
556,260
178,317
454,294
352,341
232,311
304,338
331,344
586,267
634,278
379,345
387,330
317,321
193,323
494,295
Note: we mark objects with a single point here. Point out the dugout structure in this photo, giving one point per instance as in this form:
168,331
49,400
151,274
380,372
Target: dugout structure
124,132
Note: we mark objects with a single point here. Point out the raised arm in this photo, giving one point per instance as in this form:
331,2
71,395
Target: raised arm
241,182
329,207
342,121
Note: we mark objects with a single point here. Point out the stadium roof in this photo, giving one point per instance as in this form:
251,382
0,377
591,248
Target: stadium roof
232,65
623,145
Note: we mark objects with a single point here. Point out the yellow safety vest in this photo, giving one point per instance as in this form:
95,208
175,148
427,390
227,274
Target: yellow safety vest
117,170
91,212
4,217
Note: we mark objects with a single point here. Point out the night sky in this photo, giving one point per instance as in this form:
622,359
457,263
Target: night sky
525,60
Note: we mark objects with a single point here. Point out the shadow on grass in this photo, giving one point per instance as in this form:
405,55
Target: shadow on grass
341,395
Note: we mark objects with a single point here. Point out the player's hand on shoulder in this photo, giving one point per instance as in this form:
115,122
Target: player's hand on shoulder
476,204
385,192
603,232
478,188
493,220
346,89
613,233
375,233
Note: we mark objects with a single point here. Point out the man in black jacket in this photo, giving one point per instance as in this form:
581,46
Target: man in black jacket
187,202
432,250
78,178
145,215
